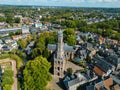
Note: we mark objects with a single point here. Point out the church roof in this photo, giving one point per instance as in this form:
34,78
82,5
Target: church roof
51,47
67,48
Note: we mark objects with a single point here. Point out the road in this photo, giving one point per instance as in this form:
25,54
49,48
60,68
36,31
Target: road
14,87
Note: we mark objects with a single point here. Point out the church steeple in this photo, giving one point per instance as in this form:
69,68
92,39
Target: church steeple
59,58
60,49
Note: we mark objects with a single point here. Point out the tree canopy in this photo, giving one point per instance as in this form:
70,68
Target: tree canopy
69,37
36,74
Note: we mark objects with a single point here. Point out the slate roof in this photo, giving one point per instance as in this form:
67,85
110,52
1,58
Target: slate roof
51,47
67,48
1,41
90,87
71,82
102,64
114,60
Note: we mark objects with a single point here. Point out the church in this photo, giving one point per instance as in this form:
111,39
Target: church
61,53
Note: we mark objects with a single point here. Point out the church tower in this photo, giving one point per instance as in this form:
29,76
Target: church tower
59,56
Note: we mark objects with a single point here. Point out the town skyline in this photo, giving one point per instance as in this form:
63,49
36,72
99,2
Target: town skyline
67,3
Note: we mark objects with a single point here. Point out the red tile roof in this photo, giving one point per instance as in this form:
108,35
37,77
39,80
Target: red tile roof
98,71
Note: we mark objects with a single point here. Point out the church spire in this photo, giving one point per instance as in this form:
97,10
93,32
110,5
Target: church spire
60,50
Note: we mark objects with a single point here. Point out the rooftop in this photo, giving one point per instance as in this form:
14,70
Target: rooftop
98,71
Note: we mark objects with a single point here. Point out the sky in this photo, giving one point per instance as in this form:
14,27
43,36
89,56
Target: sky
73,3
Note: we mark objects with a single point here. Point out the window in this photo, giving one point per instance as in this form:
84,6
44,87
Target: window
58,62
58,68
58,74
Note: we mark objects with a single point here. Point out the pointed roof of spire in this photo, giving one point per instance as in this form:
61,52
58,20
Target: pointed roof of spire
60,33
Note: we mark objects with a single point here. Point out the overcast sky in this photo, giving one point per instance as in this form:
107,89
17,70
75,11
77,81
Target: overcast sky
77,3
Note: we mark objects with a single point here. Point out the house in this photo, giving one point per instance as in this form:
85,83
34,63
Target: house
44,28
6,48
33,30
18,16
74,81
90,87
71,83
103,66
7,40
25,29
29,48
101,40
91,52
116,87
1,41
81,54
13,45
98,71
115,60
115,78
103,85
57,26
79,40
47,24
1,45
17,37
38,25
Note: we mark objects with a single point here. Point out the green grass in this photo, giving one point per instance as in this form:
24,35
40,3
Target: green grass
4,56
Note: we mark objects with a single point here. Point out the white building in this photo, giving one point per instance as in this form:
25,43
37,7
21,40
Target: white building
25,29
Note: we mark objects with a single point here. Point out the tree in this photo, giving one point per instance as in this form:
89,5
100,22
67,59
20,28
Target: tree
51,40
7,87
69,37
36,74
70,24
21,54
29,38
107,33
36,52
10,19
40,43
46,53
17,20
90,40
85,38
71,40
22,43
2,19
11,34
69,71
